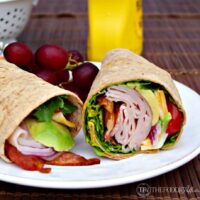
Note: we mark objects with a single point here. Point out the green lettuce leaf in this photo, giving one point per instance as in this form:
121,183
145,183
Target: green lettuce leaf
68,108
142,85
45,112
170,140
98,151
165,121
94,114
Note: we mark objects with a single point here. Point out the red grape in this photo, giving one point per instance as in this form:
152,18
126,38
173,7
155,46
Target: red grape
75,59
73,88
32,67
19,54
84,75
47,75
84,94
62,76
51,57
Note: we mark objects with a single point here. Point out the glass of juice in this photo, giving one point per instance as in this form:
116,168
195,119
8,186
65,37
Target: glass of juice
114,24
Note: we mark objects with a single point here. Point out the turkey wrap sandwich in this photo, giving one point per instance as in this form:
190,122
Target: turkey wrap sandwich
133,106
38,121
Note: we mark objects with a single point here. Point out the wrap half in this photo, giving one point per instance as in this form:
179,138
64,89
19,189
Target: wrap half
133,107
36,118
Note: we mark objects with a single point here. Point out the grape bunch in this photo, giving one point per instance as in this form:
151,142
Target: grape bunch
54,64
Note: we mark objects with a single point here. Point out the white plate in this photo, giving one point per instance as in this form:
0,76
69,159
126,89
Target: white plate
111,173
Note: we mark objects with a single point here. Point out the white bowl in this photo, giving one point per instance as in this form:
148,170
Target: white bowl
14,15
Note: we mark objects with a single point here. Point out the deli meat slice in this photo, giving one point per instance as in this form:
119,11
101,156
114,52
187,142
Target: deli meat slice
24,143
134,118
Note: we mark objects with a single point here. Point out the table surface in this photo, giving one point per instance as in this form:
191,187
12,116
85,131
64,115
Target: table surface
171,40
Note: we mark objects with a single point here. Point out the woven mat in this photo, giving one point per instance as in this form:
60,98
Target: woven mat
171,35
172,8
70,32
60,8
152,8
173,43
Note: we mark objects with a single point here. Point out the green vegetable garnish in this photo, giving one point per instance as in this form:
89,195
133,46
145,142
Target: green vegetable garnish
165,121
94,114
143,85
45,112
170,141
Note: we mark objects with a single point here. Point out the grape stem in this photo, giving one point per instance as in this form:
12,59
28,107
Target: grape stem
61,84
72,66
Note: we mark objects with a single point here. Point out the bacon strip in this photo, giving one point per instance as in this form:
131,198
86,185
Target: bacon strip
108,105
109,115
34,163
72,159
27,162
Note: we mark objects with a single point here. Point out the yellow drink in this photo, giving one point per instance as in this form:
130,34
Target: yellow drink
114,24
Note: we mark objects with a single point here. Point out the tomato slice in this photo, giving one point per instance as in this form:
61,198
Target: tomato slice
175,123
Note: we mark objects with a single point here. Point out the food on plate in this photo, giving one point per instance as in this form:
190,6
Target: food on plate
133,106
38,121
19,54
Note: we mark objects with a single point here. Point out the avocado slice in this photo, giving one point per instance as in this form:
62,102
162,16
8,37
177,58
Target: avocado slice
50,134
150,97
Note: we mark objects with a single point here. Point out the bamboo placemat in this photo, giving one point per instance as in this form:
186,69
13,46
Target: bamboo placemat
169,8
152,8
173,44
172,38
166,42
70,32
61,8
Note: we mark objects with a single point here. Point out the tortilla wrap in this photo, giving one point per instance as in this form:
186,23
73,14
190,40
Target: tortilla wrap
22,92
122,65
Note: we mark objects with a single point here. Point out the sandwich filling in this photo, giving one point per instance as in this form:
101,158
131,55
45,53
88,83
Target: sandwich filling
44,137
131,117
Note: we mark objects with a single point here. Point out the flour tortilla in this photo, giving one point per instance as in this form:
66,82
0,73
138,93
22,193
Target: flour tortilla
22,92
122,65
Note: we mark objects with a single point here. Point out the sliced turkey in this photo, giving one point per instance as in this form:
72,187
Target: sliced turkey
134,118
24,143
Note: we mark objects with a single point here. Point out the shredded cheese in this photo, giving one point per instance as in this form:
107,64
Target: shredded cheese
60,118
160,95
